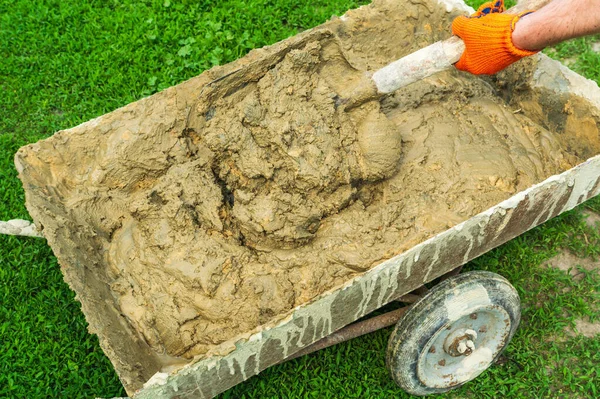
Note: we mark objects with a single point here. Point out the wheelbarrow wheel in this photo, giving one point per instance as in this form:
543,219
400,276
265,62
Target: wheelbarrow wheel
453,333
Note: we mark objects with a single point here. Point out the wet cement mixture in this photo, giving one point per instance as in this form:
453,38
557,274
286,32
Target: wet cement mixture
221,204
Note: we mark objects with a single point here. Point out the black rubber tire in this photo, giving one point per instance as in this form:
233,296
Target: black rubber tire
430,315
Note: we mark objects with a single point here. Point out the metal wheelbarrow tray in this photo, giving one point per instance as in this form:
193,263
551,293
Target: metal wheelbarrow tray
143,372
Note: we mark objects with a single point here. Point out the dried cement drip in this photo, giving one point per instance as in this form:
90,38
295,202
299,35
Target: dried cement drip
211,209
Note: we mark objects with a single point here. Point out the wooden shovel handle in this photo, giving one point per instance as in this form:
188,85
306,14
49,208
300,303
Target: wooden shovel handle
432,59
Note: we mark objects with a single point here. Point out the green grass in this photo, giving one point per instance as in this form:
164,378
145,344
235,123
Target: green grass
66,62
579,55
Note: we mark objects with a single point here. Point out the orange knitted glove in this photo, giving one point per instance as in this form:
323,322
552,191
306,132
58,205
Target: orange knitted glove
488,39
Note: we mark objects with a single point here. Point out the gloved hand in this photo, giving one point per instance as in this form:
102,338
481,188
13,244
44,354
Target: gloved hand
488,39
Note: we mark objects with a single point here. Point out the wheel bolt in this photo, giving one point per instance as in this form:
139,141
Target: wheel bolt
461,343
471,345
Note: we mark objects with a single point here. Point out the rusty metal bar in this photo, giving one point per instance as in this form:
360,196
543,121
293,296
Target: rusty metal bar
353,331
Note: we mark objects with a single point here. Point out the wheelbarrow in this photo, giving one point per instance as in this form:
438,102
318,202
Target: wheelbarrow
445,337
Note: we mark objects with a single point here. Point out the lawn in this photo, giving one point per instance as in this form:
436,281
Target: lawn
65,62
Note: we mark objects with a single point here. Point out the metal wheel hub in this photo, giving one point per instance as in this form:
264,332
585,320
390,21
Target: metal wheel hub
460,342
464,347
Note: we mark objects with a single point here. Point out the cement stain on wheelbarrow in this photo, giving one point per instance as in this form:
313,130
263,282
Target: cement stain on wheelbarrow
197,214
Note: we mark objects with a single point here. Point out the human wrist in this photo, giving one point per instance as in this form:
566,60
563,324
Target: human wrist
522,36
556,22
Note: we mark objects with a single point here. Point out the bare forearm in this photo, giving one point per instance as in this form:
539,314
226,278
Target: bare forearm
558,21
